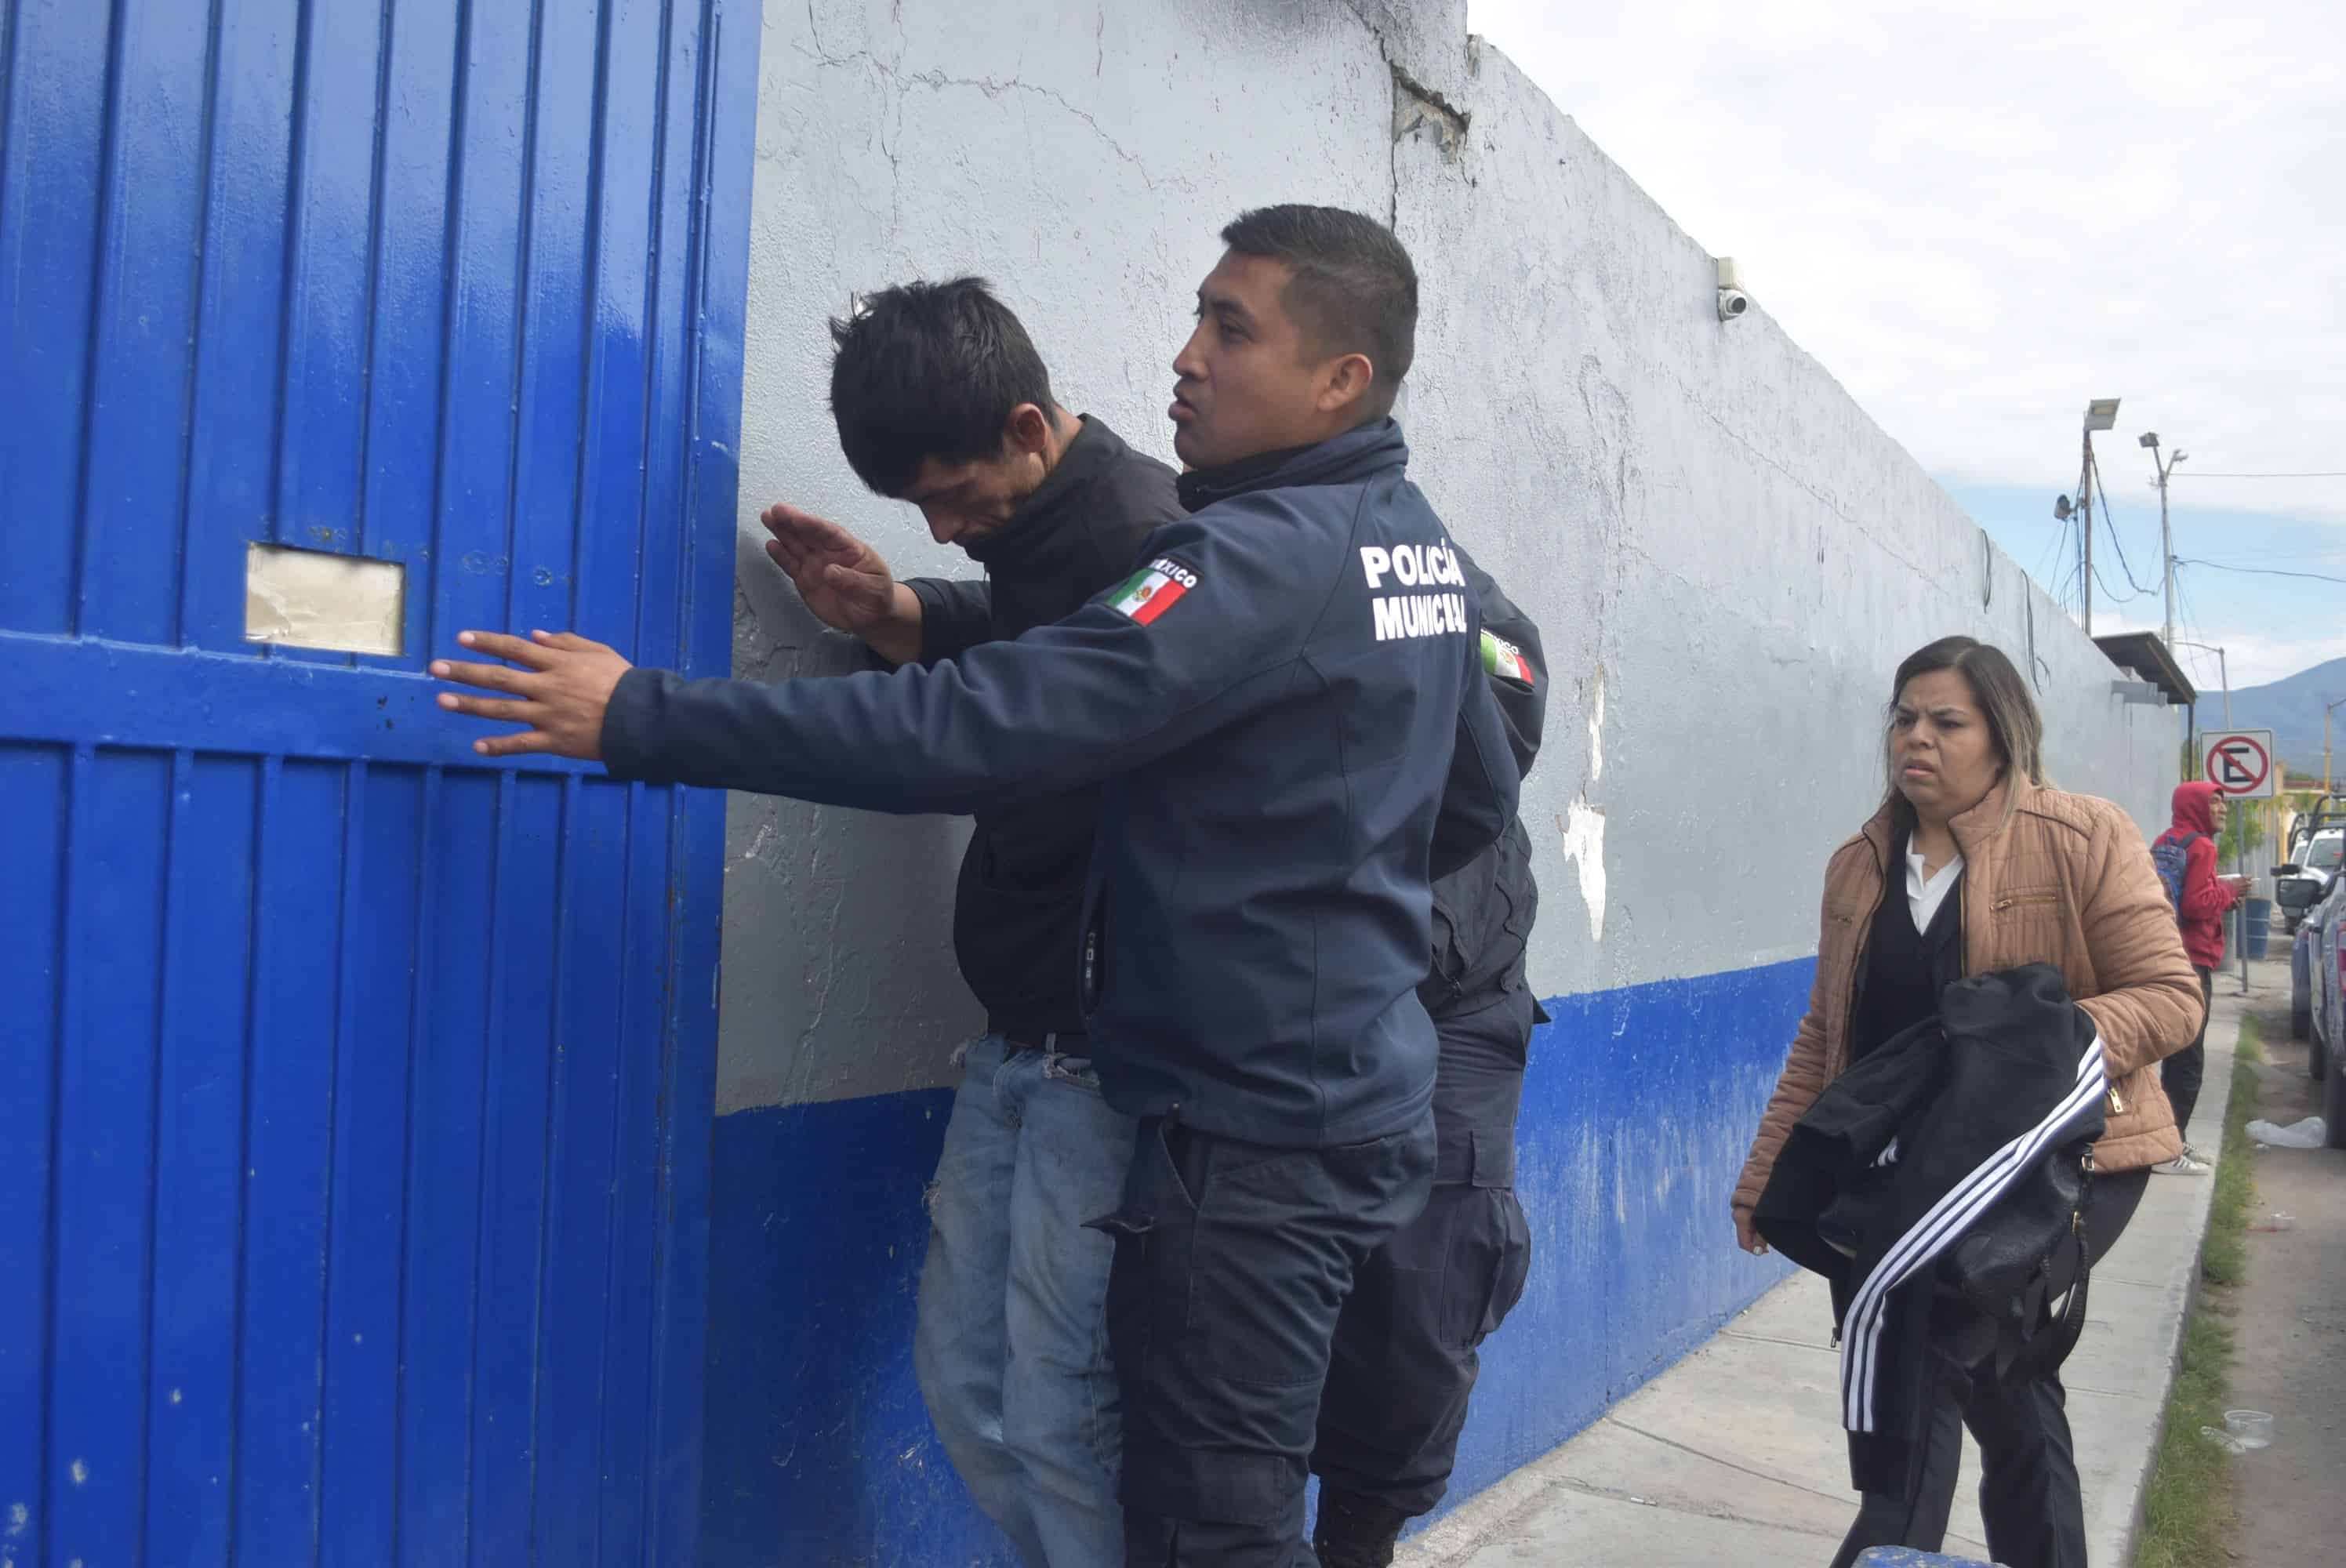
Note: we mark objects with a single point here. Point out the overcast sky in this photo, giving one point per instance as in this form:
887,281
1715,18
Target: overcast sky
1980,216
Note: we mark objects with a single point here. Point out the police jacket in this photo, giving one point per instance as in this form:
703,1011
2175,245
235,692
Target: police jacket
1905,1166
1279,699
1483,912
1021,894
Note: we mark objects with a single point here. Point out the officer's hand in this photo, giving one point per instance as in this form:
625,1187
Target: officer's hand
843,580
561,691
1746,1237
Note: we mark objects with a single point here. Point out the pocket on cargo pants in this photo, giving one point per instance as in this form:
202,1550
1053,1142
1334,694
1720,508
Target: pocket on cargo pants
1505,1244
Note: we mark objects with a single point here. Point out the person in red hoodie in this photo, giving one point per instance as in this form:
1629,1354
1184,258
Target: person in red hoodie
2201,903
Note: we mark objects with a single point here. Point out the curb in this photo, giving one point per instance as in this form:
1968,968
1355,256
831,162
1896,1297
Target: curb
2229,1014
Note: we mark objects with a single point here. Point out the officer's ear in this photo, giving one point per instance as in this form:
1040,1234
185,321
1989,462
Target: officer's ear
1346,381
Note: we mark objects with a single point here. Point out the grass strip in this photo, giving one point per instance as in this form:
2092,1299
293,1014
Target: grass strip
2188,1510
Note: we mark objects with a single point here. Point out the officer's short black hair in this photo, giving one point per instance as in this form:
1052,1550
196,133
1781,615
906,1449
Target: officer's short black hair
1355,289
929,370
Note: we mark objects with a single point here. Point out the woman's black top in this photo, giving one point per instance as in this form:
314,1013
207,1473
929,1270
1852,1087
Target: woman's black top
1905,969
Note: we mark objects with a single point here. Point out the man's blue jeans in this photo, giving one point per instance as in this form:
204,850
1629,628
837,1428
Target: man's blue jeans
1012,1344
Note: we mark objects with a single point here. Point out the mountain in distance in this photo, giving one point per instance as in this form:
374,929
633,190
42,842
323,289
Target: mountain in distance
2291,710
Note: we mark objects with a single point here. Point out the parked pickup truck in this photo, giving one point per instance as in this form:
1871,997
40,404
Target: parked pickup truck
2324,932
2298,886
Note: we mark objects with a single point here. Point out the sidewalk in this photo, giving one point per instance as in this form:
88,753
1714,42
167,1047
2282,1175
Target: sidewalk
1734,1456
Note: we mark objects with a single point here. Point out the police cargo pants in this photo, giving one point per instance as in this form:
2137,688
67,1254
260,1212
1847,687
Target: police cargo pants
1232,1263
1407,1346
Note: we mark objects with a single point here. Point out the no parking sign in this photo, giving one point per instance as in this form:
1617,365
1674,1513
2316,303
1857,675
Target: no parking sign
2239,763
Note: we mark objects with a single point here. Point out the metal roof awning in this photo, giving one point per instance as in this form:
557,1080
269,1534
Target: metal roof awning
2150,660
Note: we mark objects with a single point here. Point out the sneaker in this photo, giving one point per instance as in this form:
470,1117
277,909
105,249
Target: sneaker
2187,1163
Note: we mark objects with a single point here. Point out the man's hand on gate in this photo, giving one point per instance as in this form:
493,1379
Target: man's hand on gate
845,581
561,691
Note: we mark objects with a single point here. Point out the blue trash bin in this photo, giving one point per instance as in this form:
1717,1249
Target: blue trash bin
2257,926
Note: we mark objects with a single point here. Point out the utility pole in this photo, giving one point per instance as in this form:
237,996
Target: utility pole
2327,714
2166,533
2086,527
2102,413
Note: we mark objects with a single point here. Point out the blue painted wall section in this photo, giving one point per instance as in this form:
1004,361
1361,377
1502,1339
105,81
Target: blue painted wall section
1637,1113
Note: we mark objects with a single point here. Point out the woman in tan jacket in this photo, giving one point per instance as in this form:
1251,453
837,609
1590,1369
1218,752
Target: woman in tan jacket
1996,871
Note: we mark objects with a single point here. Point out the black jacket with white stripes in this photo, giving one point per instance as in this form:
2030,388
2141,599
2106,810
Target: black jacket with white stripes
1935,1135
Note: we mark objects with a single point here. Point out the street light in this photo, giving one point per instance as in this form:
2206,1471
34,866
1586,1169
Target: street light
2149,438
2102,413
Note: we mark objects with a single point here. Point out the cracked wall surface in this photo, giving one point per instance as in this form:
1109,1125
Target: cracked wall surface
1083,156
1695,510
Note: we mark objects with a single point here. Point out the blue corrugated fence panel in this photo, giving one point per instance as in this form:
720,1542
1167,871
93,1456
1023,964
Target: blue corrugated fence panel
444,1203
51,156
105,1119
232,436
200,1152
35,785
363,1091
289,1103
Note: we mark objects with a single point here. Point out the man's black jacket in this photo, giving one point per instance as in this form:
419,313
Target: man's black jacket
1021,894
1934,1135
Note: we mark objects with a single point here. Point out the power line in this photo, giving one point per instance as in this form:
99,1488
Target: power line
2187,610
2320,473
2056,553
2261,571
2111,525
2190,618
2114,596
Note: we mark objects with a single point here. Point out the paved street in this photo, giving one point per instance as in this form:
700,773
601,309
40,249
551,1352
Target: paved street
2292,1327
1733,1456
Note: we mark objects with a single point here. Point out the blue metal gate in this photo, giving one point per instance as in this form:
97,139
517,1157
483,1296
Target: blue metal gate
353,1187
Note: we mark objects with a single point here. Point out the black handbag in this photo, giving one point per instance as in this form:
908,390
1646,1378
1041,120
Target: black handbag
2023,1269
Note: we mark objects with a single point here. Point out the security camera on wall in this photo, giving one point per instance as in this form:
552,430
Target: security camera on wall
1732,301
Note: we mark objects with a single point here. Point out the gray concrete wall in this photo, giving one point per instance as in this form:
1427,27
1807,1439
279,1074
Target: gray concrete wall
1728,557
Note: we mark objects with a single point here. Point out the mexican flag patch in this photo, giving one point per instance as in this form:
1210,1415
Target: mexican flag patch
1502,657
1153,590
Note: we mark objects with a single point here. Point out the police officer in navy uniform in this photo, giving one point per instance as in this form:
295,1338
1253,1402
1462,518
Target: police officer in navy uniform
1287,706
1407,1346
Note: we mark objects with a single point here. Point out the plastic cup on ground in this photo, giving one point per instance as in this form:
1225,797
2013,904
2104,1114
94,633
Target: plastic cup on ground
2250,1429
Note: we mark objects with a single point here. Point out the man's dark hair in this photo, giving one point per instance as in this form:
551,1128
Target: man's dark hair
929,370
1353,292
